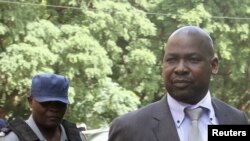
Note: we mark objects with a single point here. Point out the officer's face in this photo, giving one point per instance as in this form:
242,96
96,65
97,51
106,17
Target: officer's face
47,114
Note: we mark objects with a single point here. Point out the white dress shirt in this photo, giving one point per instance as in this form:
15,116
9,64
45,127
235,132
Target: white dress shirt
183,123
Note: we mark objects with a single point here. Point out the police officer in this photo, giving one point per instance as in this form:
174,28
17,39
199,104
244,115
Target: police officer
48,100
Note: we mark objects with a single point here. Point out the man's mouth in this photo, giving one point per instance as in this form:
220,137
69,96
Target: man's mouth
181,83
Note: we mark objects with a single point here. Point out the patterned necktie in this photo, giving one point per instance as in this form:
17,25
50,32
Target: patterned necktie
194,132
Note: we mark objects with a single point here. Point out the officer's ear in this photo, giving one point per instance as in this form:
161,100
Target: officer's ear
30,99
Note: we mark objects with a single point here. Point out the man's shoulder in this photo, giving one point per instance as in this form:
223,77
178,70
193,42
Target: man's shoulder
7,131
16,129
228,113
4,131
145,110
139,115
6,134
219,104
72,131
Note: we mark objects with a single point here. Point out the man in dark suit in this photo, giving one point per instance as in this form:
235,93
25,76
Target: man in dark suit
189,61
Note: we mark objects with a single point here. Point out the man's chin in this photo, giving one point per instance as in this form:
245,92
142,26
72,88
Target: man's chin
53,123
183,96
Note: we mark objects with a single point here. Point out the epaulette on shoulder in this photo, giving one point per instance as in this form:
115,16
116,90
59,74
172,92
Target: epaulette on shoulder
4,131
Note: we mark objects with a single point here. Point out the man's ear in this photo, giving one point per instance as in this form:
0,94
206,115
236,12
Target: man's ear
30,100
215,65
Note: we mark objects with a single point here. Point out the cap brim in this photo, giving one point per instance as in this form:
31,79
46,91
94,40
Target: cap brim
47,99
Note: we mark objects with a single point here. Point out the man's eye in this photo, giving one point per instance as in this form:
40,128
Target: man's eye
171,60
194,60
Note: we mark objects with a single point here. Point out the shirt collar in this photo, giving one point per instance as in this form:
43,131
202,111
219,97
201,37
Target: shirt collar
30,121
177,108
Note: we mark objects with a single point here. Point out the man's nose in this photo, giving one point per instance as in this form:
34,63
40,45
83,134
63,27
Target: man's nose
181,67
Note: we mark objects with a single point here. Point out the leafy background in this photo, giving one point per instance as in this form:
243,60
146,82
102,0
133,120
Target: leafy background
111,51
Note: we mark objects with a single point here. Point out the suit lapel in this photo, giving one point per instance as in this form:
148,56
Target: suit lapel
220,113
163,124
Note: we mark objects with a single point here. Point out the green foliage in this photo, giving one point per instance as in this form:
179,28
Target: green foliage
111,51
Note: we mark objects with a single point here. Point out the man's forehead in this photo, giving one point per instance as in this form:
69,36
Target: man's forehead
190,29
187,40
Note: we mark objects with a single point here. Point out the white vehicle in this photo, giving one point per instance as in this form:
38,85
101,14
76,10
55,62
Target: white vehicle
97,134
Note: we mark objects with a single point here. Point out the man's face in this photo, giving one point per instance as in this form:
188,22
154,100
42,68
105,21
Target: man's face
47,114
187,67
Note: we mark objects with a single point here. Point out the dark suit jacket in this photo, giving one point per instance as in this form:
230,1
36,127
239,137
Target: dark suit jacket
154,122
